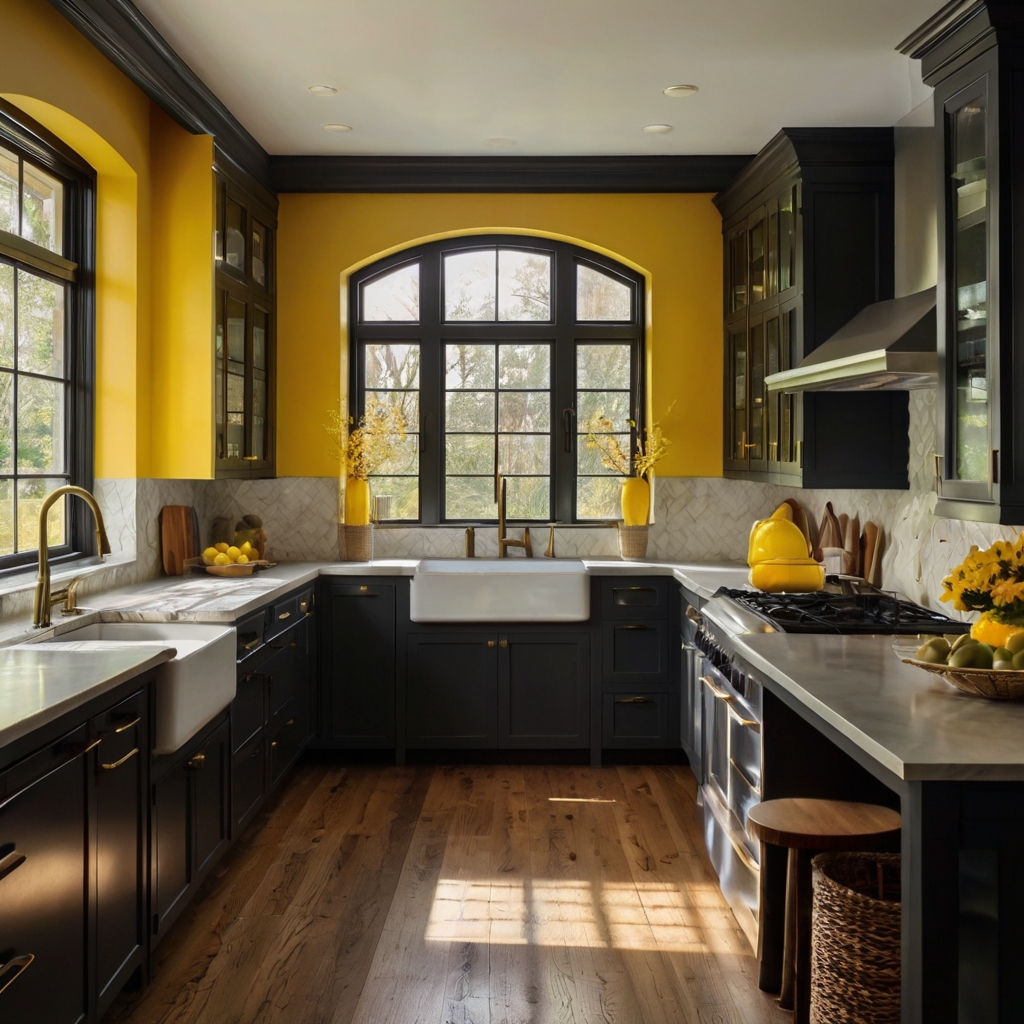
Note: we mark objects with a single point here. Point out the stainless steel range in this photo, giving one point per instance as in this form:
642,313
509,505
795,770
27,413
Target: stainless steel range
730,728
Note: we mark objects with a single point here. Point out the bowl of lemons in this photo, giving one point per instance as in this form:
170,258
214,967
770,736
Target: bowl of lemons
232,560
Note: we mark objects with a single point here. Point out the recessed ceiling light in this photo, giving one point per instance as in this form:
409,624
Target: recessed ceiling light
322,90
342,128
657,129
499,141
680,90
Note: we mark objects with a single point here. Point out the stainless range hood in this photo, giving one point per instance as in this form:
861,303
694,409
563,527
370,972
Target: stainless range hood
887,346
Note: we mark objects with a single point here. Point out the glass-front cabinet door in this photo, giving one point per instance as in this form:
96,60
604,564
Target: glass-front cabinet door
968,468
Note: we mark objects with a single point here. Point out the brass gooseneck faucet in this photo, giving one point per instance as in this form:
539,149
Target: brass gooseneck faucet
501,485
44,600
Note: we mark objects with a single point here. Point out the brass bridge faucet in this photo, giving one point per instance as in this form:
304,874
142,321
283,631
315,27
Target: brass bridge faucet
501,486
44,600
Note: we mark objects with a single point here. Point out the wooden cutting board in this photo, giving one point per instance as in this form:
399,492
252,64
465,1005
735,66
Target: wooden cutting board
179,537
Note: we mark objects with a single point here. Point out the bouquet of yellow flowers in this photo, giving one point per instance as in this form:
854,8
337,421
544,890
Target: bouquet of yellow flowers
364,447
990,581
650,449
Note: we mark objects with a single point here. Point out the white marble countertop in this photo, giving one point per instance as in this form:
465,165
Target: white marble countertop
908,720
39,684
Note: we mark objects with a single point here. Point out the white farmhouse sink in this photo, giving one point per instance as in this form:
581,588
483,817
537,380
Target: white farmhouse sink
191,688
500,590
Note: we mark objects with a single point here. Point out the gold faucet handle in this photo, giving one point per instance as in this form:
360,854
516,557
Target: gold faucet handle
526,542
69,594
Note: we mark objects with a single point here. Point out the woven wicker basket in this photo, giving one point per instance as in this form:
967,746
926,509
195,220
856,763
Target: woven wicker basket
633,541
355,543
855,939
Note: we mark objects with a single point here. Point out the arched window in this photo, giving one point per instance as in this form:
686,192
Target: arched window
501,351
47,196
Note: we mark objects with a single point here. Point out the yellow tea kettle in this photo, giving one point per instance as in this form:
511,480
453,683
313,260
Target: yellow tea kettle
779,556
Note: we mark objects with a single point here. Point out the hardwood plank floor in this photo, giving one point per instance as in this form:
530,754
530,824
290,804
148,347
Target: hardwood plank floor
462,895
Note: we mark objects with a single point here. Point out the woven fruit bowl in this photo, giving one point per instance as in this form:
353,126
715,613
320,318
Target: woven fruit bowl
994,683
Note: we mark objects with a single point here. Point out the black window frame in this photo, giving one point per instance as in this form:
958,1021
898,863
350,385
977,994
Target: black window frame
431,332
22,134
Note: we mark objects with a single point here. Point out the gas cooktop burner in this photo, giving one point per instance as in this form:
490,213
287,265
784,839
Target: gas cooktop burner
871,611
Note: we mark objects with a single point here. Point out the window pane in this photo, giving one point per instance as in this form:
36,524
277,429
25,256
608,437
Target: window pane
470,497
7,517
524,411
405,457
528,498
8,195
524,366
469,366
598,497
236,330
524,285
407,401
40,325
594,405
31,495
469,453
392,296
6,315
259,339
588,460
469,410
601,297
234,250
603,366
469,281
528,454
404,493
42,209
6,423
392,366
40,425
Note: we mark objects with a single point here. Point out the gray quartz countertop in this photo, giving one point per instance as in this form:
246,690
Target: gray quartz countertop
908,720
39,684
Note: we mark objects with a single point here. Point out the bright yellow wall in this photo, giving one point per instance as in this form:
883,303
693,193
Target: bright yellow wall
674,239
183,310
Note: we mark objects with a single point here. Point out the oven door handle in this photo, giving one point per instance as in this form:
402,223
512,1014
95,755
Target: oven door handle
743,775
719,693
748,723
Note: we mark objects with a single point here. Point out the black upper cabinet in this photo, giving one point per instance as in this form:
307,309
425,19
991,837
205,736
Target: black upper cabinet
976,64
244,329
808,243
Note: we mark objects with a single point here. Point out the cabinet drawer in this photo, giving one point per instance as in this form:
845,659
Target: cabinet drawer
635,597
634,652
288,612
637,719
247,784
121,731
247,709
249,636
288,732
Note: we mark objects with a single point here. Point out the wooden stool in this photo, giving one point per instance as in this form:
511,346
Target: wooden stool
806,827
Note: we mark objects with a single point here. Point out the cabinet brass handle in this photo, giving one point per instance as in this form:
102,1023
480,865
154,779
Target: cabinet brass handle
742,853
127,726
717,691
646,590
285,615
503,643
291,721
197,762
252,643
490,643
638,626
273,743
743,775
120,761
636,700
19,962
11,860
749,723
250,458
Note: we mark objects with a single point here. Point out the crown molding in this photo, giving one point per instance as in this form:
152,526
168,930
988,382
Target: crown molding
504,173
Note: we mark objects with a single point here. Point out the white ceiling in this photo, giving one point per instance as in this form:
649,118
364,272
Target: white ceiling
560,77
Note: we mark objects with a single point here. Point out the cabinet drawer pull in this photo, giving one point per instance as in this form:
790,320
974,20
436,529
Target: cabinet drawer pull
503,643
252,643
120,761
273,743
743,775
743,854
719,693
291,721
285,615
127,726
10,860
16,964
636,700
490,643
197,762
639,626
749,723
646,590
250,458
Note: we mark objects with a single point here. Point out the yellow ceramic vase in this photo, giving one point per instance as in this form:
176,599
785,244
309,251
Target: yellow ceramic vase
636,501
357,502
991,631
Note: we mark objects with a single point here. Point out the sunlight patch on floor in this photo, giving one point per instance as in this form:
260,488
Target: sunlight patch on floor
617,915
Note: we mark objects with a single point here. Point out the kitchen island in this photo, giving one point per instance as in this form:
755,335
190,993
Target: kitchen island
845,718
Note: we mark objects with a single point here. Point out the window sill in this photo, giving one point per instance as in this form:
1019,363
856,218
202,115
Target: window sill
87,567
